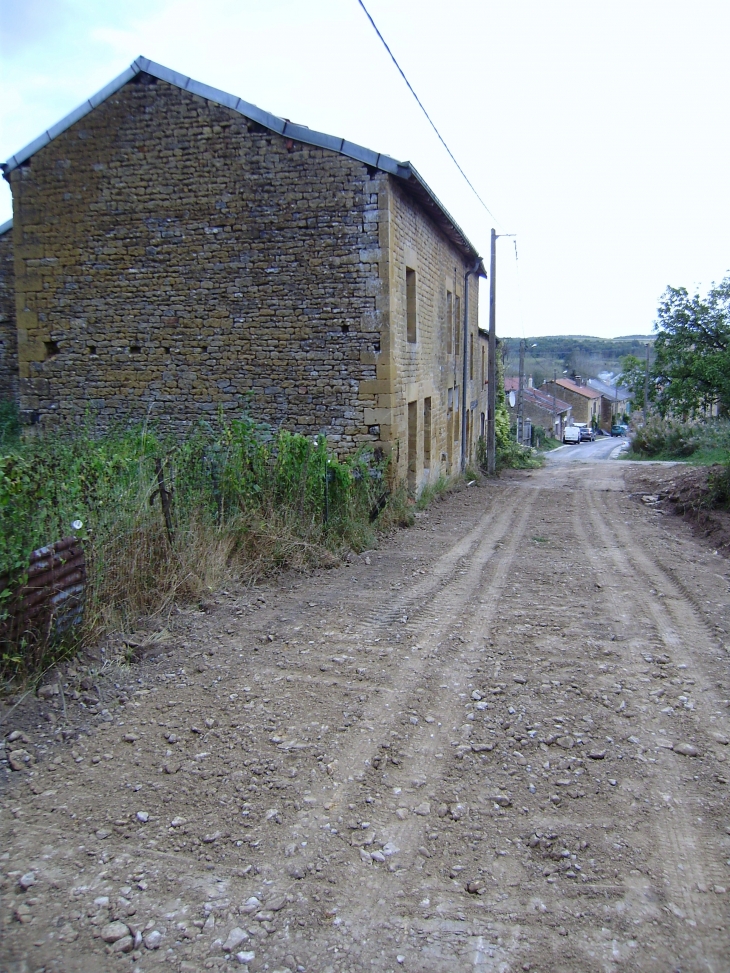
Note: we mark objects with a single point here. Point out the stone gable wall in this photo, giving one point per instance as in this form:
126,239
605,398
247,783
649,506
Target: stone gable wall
172,257
425,369
8,333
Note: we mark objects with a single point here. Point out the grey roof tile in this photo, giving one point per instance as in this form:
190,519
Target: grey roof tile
402,170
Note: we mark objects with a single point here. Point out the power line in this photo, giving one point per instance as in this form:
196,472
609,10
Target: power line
420,105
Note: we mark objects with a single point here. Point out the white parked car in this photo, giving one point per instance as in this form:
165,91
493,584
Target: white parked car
571,434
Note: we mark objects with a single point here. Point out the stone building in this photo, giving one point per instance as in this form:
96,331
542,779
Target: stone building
585,401
542,408
179,251
8,335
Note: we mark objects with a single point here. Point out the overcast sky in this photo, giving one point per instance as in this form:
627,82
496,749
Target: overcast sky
597,132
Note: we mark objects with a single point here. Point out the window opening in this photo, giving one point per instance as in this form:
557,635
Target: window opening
411,304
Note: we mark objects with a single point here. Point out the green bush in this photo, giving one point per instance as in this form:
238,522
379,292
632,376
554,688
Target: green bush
243,500
666,436
704,442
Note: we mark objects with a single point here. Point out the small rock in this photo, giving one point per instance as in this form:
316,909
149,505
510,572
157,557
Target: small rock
235,938
19,759
520,679
25,881
482,747
365,856
389,848
251,905
276,904
401,813
264,916
177,822
171,767
102,902
123,945
501,799
22,913
296,871
597,754
143,817
720,738
377,856
476,695
246,956
686,749
210,839
566,742
400,958
423,809
17,736
114,931
130,737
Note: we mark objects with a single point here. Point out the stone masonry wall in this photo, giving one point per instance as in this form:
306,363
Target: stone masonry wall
8,334
412,372
172,256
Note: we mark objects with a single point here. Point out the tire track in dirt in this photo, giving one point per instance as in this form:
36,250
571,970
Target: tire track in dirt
685,849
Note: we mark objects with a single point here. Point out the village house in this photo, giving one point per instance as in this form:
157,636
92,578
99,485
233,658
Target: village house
541,408
615,402
178,251
585,401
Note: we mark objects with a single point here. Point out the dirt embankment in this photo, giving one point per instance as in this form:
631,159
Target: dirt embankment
498,742
685,491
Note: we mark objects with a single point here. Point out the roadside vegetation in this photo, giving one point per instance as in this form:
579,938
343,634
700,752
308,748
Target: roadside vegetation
239,501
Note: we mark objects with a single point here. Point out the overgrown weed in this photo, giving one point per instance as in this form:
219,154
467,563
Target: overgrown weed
244,502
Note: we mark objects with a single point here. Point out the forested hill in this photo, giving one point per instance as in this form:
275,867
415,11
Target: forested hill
574,354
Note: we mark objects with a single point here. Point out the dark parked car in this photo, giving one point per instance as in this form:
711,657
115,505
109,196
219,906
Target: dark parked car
619,429
587,434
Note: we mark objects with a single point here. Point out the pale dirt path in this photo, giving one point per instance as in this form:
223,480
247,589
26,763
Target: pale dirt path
329,757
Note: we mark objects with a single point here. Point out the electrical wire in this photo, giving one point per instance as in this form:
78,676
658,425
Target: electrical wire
430,120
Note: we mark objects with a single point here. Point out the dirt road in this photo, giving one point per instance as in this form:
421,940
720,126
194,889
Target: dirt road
499,742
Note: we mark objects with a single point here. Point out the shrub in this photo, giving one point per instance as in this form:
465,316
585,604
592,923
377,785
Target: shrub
244,501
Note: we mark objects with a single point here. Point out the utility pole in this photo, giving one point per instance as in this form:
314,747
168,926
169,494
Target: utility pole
492,362
646,385
520,395
555,380
492,365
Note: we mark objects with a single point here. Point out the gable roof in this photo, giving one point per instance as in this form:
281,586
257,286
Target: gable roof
571,386
537,397
406,174
8,225
618,392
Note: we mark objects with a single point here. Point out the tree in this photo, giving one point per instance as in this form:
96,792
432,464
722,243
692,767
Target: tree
692,366
633,375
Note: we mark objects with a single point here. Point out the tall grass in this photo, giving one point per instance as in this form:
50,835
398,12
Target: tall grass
244,501
701,443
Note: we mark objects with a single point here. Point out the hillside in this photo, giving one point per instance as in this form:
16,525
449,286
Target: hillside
574,354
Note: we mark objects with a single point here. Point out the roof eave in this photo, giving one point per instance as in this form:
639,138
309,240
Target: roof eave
403,171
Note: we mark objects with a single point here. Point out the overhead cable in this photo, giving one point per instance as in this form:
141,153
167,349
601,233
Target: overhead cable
420,104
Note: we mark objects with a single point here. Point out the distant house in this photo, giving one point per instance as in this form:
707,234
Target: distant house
179,251
615,401
540,407
585,401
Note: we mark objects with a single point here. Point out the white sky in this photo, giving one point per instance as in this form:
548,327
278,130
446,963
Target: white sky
597,131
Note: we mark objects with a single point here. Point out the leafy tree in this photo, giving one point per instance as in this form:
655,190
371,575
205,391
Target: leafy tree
633,375
692,365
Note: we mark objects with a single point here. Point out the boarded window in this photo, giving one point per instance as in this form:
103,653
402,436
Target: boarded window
412,444
427,432
449,323
457,326
411,304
